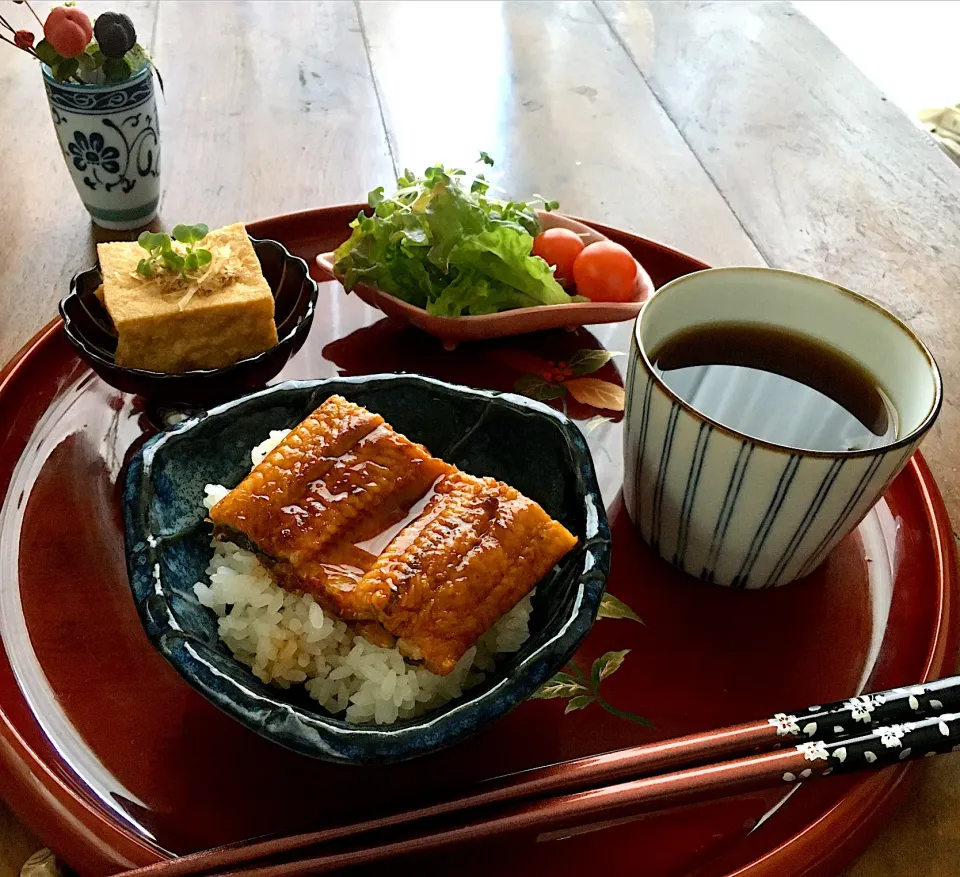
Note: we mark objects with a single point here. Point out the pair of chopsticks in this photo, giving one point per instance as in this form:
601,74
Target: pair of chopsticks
868,732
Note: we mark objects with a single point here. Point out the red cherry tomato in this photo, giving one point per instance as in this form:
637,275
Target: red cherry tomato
68,30
558,247
605,271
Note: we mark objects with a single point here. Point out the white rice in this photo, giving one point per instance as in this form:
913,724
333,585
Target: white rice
288,639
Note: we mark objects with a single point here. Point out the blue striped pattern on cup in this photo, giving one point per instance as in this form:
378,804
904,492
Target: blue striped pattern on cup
738,511
712,506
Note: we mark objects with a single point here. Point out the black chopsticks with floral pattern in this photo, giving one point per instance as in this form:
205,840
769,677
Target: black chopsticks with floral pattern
866,732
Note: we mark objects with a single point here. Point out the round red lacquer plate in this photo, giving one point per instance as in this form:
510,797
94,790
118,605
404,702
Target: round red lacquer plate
114,761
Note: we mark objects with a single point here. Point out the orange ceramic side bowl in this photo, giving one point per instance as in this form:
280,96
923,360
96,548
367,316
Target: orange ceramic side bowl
452,330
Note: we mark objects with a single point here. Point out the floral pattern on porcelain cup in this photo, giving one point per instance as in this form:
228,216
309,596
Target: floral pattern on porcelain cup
736,510
110,141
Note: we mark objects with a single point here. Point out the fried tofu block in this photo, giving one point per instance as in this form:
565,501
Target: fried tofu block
337,481
478,548
229,316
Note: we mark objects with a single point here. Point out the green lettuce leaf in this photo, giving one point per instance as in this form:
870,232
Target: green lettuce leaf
441,244
504,254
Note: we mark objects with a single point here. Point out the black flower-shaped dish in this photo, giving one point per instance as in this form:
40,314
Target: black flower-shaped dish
168,549
91,331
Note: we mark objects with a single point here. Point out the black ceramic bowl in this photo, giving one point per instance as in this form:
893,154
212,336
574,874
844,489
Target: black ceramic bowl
91,331
522,442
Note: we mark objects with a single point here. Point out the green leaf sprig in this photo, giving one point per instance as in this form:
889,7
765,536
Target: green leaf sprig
162,253
557,379
580,690
613,607
583,691
82,68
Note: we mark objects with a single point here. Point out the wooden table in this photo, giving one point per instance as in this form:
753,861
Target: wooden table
733,131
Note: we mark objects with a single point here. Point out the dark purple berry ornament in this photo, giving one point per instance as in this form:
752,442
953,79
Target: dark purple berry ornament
115,34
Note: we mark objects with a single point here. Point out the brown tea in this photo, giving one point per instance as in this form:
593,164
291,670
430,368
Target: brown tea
778,386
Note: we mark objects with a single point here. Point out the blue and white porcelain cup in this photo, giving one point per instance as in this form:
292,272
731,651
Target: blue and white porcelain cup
736,510
110,140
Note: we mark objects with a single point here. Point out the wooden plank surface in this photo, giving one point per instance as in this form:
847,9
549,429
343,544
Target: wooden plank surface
45,234
268,108
827,176
831,179
563,111
561,108
733,131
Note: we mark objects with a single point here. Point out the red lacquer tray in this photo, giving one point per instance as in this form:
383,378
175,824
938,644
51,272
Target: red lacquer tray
114,761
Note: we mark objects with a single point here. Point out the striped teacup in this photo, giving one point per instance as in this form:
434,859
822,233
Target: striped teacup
737,510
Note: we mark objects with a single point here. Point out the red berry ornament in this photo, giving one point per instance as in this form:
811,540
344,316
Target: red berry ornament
68,30
23,39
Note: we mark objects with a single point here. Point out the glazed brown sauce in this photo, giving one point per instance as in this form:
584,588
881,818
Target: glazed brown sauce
374,463
345,563
386,530
777,386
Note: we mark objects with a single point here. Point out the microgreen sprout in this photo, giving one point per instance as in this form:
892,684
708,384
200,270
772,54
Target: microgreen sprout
547,205
162,253
444,242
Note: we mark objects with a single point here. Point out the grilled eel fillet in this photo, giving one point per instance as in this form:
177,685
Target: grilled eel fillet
389,538
478,548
